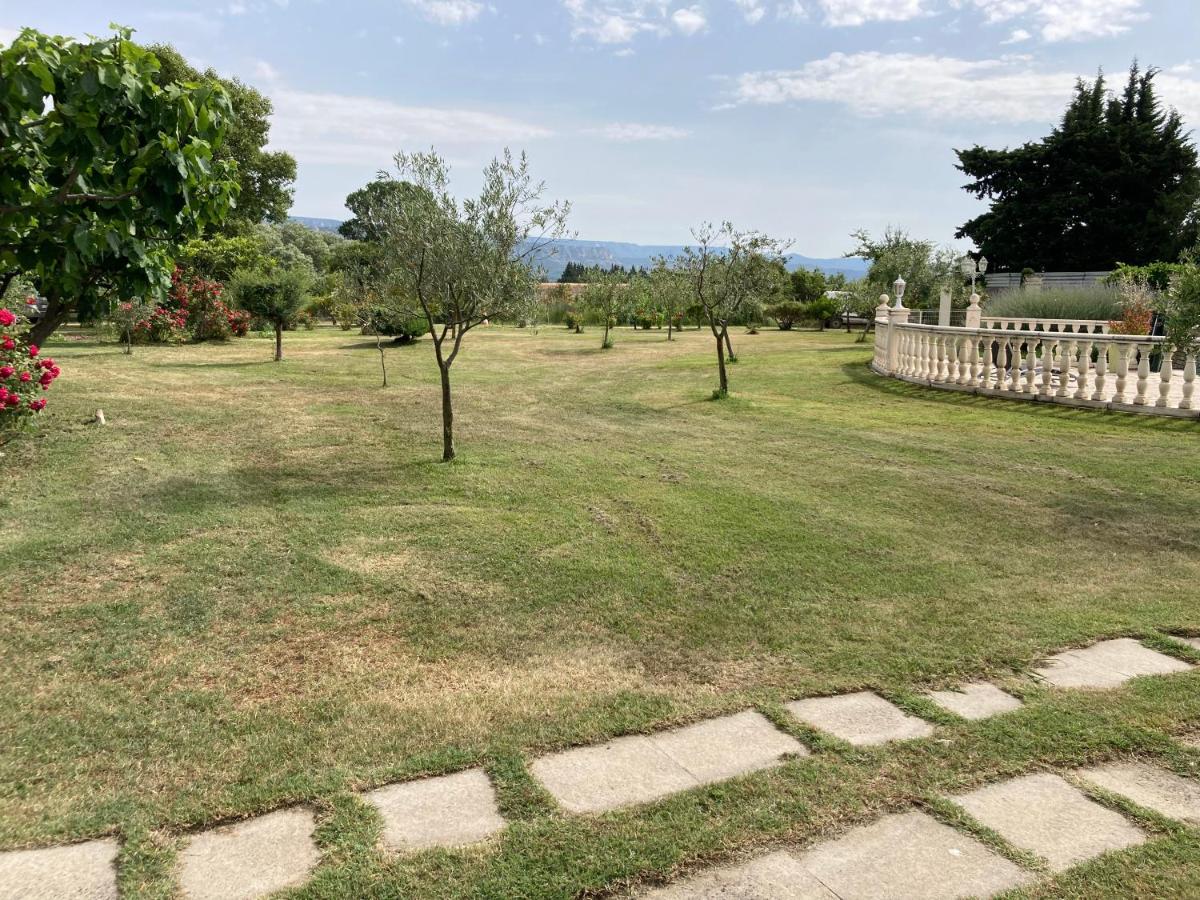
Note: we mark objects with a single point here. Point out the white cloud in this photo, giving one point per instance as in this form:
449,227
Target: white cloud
792,9
1008,89
689,20
339,128
265,71
633,131
1018,35
752,10
448,12
1063,20
860,12
617,21
236,8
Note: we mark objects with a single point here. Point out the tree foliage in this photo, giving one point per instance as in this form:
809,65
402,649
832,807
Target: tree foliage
459,263
264,176
104,171
276,296
606,298
925,267
730,281
1116,181
807,284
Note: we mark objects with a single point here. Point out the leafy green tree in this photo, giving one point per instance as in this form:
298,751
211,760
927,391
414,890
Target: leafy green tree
265,177
104,171
277,296
726,282
460,263
606,297
1116,181
924,266
218,256
670,293
371,206
807,284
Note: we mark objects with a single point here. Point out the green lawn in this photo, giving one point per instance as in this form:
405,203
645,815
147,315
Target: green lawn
257,586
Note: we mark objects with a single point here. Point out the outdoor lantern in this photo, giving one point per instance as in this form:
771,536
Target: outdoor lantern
982,264
898,288
967,266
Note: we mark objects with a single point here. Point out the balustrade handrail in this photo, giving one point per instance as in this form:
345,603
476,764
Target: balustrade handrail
1080,368
1076,325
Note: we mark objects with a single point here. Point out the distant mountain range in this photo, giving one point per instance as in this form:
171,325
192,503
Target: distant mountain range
555,256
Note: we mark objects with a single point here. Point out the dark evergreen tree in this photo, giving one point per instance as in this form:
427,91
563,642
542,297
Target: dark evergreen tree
1116,182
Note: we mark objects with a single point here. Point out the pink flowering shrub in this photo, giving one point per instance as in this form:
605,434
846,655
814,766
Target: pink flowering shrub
194,310
25,375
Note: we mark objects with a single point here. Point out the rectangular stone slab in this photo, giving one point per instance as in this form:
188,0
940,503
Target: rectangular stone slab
910,855
1045,815
776,876
863,719
74,872
249,859
1107,664
977,700
1164,792
448,811
728,746
642,768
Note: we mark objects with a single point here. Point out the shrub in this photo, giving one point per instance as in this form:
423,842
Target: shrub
786,314
1156,275
24,374
821,310
208,318
1137,313
391,322
1182,311
1101,302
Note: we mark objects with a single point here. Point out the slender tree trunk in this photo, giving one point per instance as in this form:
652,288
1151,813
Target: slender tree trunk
604,343
447,415
728,345
723,376
55,315
670,325
278,341
382,361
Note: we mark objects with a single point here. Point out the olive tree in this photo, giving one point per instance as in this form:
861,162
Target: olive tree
277,296
730,281
670,292
459,263
605,296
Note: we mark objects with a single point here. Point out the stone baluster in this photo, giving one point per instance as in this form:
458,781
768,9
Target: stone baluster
1064,368
931,357
1014,365
1143,374
1122,373
1189,381
1031,344
1048,348
981,372
902,355
949,358
1081,372
937,358
1101,370
962,366
1164,378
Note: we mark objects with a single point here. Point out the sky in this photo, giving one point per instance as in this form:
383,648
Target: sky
806,119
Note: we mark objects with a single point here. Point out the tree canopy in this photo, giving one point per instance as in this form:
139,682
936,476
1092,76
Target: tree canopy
1116,182
105,171
264,176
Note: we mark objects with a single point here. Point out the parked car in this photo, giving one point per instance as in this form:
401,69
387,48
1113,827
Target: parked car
34,311
846,316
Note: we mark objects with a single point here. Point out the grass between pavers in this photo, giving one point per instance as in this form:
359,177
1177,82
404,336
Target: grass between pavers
256,587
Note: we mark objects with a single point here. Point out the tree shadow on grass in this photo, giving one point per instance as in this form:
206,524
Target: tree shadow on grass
861,374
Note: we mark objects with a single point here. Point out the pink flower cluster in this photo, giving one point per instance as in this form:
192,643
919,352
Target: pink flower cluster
23,372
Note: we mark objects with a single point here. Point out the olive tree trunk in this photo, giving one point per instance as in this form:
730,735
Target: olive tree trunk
278,341
447,415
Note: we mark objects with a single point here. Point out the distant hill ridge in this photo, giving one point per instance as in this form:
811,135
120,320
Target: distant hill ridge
557,254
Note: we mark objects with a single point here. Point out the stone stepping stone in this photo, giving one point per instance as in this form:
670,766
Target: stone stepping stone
776,876
1164,792
249,859
863,719
75,872
641,768
977,700
1193,642
1107,664
1045,815
910,855
449,811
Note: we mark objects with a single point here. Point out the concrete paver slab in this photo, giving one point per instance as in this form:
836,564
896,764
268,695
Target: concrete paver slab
1164,792
776,876
74,872
862,719
1107,664
448,811
249,859
1045,815
727,746
911,855
977,700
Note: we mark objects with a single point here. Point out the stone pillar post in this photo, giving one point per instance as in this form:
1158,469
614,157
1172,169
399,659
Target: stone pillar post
944,307
897,315
974,313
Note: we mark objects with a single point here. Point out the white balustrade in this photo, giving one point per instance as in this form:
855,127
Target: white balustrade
1038,364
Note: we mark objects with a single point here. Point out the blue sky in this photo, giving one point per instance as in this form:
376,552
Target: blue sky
804,118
